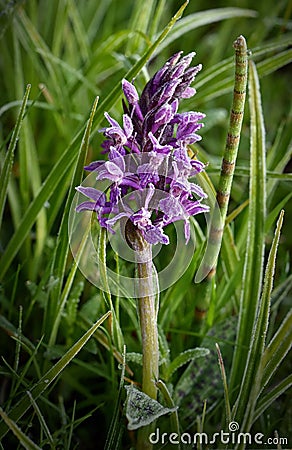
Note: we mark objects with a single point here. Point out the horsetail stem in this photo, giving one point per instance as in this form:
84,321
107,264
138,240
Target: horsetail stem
226,175
233,136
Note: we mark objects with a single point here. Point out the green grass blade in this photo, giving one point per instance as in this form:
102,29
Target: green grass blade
32,39
273,394
59,171
252,385
62,244
8,162
225,386
141,17
114,431
274,63
158,13
276,211
42,421
23,438
253,268
22,406
174,420
277,348
217,80
193,21
79,30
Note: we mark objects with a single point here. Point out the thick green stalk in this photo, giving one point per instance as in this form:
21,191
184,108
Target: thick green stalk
233,137
227,171
148,322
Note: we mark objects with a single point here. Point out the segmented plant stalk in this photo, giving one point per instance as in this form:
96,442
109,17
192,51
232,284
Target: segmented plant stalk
148,322
226,175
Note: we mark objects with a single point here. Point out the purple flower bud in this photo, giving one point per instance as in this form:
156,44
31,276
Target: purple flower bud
130,92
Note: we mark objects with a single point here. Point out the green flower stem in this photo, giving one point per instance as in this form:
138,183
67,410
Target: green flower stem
148,323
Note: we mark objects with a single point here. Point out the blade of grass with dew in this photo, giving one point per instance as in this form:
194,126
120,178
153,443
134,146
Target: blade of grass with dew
275,62
66,291
23,155
34,175
116,331
101,338
174,420
107,47
32,361
227,288
29,173
12,331
17,346
61,170
31,38
202,18
268,399
251,384
116,428
42,421
217,80
279,156
8,162
140,19
79,30
271,217
22,437
255,244
176,293
23,405
224,381
278,348
62,244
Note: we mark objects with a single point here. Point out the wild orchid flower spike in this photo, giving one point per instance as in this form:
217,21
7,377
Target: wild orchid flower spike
153,130
149,172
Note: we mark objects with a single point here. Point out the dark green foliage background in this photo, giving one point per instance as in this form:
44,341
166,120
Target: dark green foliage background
71,51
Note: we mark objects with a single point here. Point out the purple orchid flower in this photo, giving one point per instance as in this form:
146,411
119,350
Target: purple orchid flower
158,135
